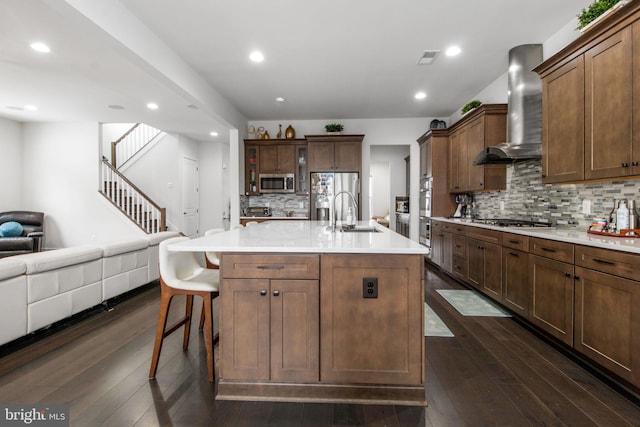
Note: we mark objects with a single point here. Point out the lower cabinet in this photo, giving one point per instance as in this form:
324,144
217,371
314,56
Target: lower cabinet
485,267
269,319
516,281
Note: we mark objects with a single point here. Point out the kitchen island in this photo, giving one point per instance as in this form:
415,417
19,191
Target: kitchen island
307,314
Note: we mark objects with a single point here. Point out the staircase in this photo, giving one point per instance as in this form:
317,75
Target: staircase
121,192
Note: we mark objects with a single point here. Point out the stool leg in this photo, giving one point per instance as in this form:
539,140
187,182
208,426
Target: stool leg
201,324
208,336
165,303
187,326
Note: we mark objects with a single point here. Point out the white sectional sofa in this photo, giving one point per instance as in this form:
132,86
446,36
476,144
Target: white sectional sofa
41,288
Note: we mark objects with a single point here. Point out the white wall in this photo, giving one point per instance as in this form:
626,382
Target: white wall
394,158
214,185
11,171
61,179
377,132
111,132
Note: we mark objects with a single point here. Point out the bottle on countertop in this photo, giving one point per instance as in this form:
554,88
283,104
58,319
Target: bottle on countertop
633,215
622,217
350,217
611,221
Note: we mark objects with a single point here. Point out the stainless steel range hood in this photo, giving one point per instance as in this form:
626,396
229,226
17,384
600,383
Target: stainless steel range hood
524,110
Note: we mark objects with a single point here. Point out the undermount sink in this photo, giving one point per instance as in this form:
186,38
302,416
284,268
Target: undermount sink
356,229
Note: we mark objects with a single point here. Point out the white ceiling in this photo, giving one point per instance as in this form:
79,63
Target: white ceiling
330,59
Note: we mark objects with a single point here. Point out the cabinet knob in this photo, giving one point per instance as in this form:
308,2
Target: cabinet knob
567,274
263,292
634,163
276,293
576,277
625,165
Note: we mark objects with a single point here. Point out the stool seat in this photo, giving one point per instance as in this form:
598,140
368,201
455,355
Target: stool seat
204,280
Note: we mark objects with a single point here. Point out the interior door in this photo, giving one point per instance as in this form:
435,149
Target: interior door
190,197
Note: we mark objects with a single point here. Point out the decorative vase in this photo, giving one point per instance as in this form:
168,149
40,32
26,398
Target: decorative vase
266,134
290,133
279,134
334,133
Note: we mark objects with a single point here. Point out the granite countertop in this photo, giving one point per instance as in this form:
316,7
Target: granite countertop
562,235
303,237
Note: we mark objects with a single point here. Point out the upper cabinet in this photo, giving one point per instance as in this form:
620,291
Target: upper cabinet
273,156
277,158
339,153
433,164
479,129
590,104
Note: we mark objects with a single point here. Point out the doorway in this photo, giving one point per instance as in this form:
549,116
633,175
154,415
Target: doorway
388,179
190,197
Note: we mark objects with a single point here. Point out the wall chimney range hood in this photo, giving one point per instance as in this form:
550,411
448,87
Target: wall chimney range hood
524,110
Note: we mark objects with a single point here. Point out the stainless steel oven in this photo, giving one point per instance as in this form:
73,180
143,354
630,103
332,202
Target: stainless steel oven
425,212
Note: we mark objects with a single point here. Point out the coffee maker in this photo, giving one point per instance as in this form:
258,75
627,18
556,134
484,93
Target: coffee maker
465,206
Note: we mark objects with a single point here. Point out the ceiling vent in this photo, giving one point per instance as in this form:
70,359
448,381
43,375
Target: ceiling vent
427,57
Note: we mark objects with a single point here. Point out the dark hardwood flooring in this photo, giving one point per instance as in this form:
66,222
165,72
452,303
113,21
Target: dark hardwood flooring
494,372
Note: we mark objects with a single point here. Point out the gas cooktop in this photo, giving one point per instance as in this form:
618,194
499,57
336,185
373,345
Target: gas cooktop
509,222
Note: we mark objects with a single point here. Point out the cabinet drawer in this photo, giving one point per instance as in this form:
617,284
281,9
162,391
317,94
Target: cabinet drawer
608,261
460,266
436,226
558,251
484,234
277,266
515,241
446,226
459,229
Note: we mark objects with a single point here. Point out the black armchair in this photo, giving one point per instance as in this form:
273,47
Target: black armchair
31,239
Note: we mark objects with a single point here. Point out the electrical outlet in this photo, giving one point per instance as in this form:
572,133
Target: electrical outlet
369,287
586,206
501,205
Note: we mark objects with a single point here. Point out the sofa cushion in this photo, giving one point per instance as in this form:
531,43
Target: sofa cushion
12,244
11,229
11,268
50,260
122,246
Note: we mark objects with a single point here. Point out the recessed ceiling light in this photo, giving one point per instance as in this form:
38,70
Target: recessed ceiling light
30,107
40,47
280,99
453,51
213,133
152,106
115,107
256,56
420,95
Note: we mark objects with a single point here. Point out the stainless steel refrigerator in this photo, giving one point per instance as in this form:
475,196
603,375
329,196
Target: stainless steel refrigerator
324,186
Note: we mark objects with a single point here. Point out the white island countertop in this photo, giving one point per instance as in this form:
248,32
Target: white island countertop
296,236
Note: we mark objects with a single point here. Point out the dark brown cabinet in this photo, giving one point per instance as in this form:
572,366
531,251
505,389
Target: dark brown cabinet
485,267
342,153
590,118
434,154
442,245
484,127
279,158
271,331
273,156
552,286
516,283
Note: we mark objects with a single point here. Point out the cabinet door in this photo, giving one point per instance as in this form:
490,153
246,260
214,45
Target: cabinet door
251,169
563,123
436,247
459,267
516,281
492,269
302,173
295,330
475,264
552,297
426,169
608,110
348,156
287,159
635,159
244,329
455,162
447,252
475,144
268,159
606,321
321,156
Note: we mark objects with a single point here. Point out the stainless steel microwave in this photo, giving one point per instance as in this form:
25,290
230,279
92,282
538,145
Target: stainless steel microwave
277,183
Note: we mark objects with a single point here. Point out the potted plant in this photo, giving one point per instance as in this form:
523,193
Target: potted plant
470,106
596,11
334,128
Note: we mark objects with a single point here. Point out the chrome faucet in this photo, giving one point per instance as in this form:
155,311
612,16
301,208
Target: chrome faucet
334,218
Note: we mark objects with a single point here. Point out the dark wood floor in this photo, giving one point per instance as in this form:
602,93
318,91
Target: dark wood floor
493,372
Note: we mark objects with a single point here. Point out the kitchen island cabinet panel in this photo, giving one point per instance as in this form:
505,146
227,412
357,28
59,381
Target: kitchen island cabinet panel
607,320
353,325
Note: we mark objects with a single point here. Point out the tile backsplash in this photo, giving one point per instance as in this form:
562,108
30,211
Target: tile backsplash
527,197
280,204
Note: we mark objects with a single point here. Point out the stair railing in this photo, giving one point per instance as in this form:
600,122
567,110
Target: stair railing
136,205
129,144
